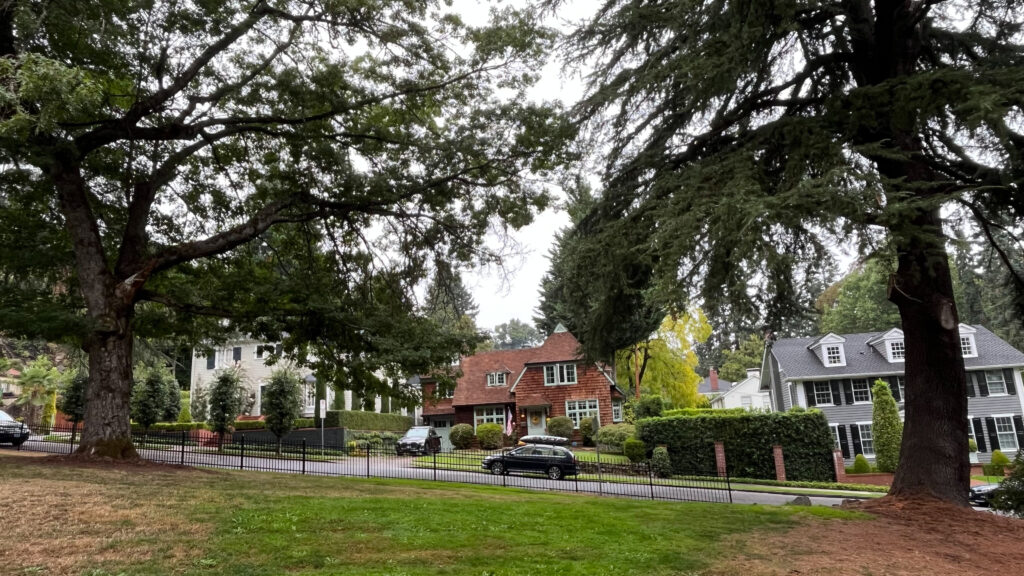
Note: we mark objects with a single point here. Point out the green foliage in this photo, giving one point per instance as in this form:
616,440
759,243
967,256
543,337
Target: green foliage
305,423
489,436
588,430
665,361
859,302
1009,497
49,410
701,411
993,469
461,436
185,415
635,450
359,420
199,399
861,465
661,464
561,426
225,401
71,400
172,427
972,445
703,402
172,400
736,362
282,402
39,382
515,334
999,459
151,397
649,407
886,427
748,437
613,436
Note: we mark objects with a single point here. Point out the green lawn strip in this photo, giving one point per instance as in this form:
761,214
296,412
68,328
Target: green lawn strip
263,524
989,479
311,455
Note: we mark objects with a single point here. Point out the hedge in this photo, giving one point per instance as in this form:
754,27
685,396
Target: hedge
359,420
702,411
613,436
805,439
489,436
171,427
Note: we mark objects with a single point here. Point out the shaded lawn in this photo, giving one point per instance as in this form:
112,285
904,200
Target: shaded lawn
159,520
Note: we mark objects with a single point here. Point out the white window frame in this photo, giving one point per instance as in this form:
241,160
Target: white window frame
309,395
1012,432
897,350
968,349
970,428
559,374
903,393
866,389
871,433
496,379
989,382
591,408
828,386
840,354
617,410
489,415
835,435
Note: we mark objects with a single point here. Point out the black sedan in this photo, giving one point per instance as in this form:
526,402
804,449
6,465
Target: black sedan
555,461
982,495
12,431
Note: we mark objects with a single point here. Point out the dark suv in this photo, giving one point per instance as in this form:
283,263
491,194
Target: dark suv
555,461
419,440
12,431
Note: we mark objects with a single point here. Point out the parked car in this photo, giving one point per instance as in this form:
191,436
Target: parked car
543,439
419,440
982,495
12,431
555,461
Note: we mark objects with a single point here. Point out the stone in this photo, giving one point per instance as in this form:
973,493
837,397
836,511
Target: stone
800,501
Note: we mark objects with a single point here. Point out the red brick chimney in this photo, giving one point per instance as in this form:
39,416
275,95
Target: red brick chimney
713,376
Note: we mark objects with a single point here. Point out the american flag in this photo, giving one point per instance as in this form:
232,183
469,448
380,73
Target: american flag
508,421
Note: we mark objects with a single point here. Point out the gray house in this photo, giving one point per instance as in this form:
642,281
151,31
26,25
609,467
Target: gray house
835,373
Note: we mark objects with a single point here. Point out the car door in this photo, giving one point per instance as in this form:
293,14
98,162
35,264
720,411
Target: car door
518,459
540,456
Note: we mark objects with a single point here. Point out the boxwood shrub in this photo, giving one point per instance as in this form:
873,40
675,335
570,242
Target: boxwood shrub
560,426
587,430
613,436
635,450
861,465
461,436
358,420
805,439
489,436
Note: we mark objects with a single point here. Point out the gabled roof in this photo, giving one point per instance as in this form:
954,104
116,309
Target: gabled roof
704,386
472,388
895,333
830,338
559,347
797,362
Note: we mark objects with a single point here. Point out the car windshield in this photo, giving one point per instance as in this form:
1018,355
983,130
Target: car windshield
417,432
5,417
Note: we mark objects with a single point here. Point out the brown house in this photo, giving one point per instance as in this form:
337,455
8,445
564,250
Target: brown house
521,389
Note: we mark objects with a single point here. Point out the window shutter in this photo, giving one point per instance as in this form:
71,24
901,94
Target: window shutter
1011,387
836,398
1018,426
279,349
211,360
855,431
844,443
894,387
809,393
848,390
990,423
970,384
979,435
982,383
236,353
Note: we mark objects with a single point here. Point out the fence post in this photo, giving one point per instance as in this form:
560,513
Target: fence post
241,456
600,480
183,436
368,459
71,445
504,469
303,455
435,465
650,478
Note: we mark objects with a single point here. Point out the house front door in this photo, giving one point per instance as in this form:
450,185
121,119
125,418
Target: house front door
536,422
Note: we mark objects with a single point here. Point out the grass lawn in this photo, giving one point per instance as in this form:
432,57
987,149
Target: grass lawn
152,520
989,479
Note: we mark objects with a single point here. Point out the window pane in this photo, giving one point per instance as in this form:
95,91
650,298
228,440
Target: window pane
867,441
861,391
822,393
995,382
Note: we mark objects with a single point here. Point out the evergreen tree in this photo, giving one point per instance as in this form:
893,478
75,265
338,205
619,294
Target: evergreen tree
858,303
149,396
886,428
515,334
199,400
225,403
744,138
735,363
71,400
282,403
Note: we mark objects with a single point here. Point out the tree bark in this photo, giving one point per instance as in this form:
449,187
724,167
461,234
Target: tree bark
934,458
108,431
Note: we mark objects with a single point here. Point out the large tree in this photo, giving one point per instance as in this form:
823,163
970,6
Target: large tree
746,137
291,165
664,363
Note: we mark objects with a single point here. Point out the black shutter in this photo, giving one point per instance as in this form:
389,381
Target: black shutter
844,443
979,435
836,398
236,353
990,423
970,384
279,349
809,393
855,431
982,383
211,360
848,391
894,387
1011,388
1018,426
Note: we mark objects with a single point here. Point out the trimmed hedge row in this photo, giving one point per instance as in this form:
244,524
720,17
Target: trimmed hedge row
804,436
171,427
358,420
702,411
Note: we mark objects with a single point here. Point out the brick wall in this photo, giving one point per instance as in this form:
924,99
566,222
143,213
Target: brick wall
590,384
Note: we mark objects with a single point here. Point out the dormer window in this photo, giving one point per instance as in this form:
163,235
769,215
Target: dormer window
967,348
829,349
897,351
834,355
496,379
559,374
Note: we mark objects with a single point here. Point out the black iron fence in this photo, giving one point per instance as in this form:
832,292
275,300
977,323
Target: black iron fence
592,471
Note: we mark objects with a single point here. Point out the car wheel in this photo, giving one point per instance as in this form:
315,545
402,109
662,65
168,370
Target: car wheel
497,468
555,473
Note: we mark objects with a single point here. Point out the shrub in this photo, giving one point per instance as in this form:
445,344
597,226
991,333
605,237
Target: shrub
861,465
172,403
613,436
999,458
305,423
635,450
200,401
172,427
560,426
185,414
972,445
150,398
886,427
461,436
993,469
661,464
587,426
748,438
649,407
489,436
1010,495
703,402
358,420
225,401
282,403
701,411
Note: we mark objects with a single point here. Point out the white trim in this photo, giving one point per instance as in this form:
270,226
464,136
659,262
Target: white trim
988,385
596,410
870,400
889,344
1013,425
825,355
500,407
1014,367
831,393
861,434
967,329
891,334
559,374
520,377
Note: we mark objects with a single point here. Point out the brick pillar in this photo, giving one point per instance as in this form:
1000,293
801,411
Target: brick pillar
840,465
780,464
720,459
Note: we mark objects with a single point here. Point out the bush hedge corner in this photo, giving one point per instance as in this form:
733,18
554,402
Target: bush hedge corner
461,436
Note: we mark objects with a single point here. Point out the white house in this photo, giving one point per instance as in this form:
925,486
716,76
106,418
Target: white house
744,394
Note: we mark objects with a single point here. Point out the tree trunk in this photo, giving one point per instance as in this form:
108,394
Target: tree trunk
109,432
934,456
